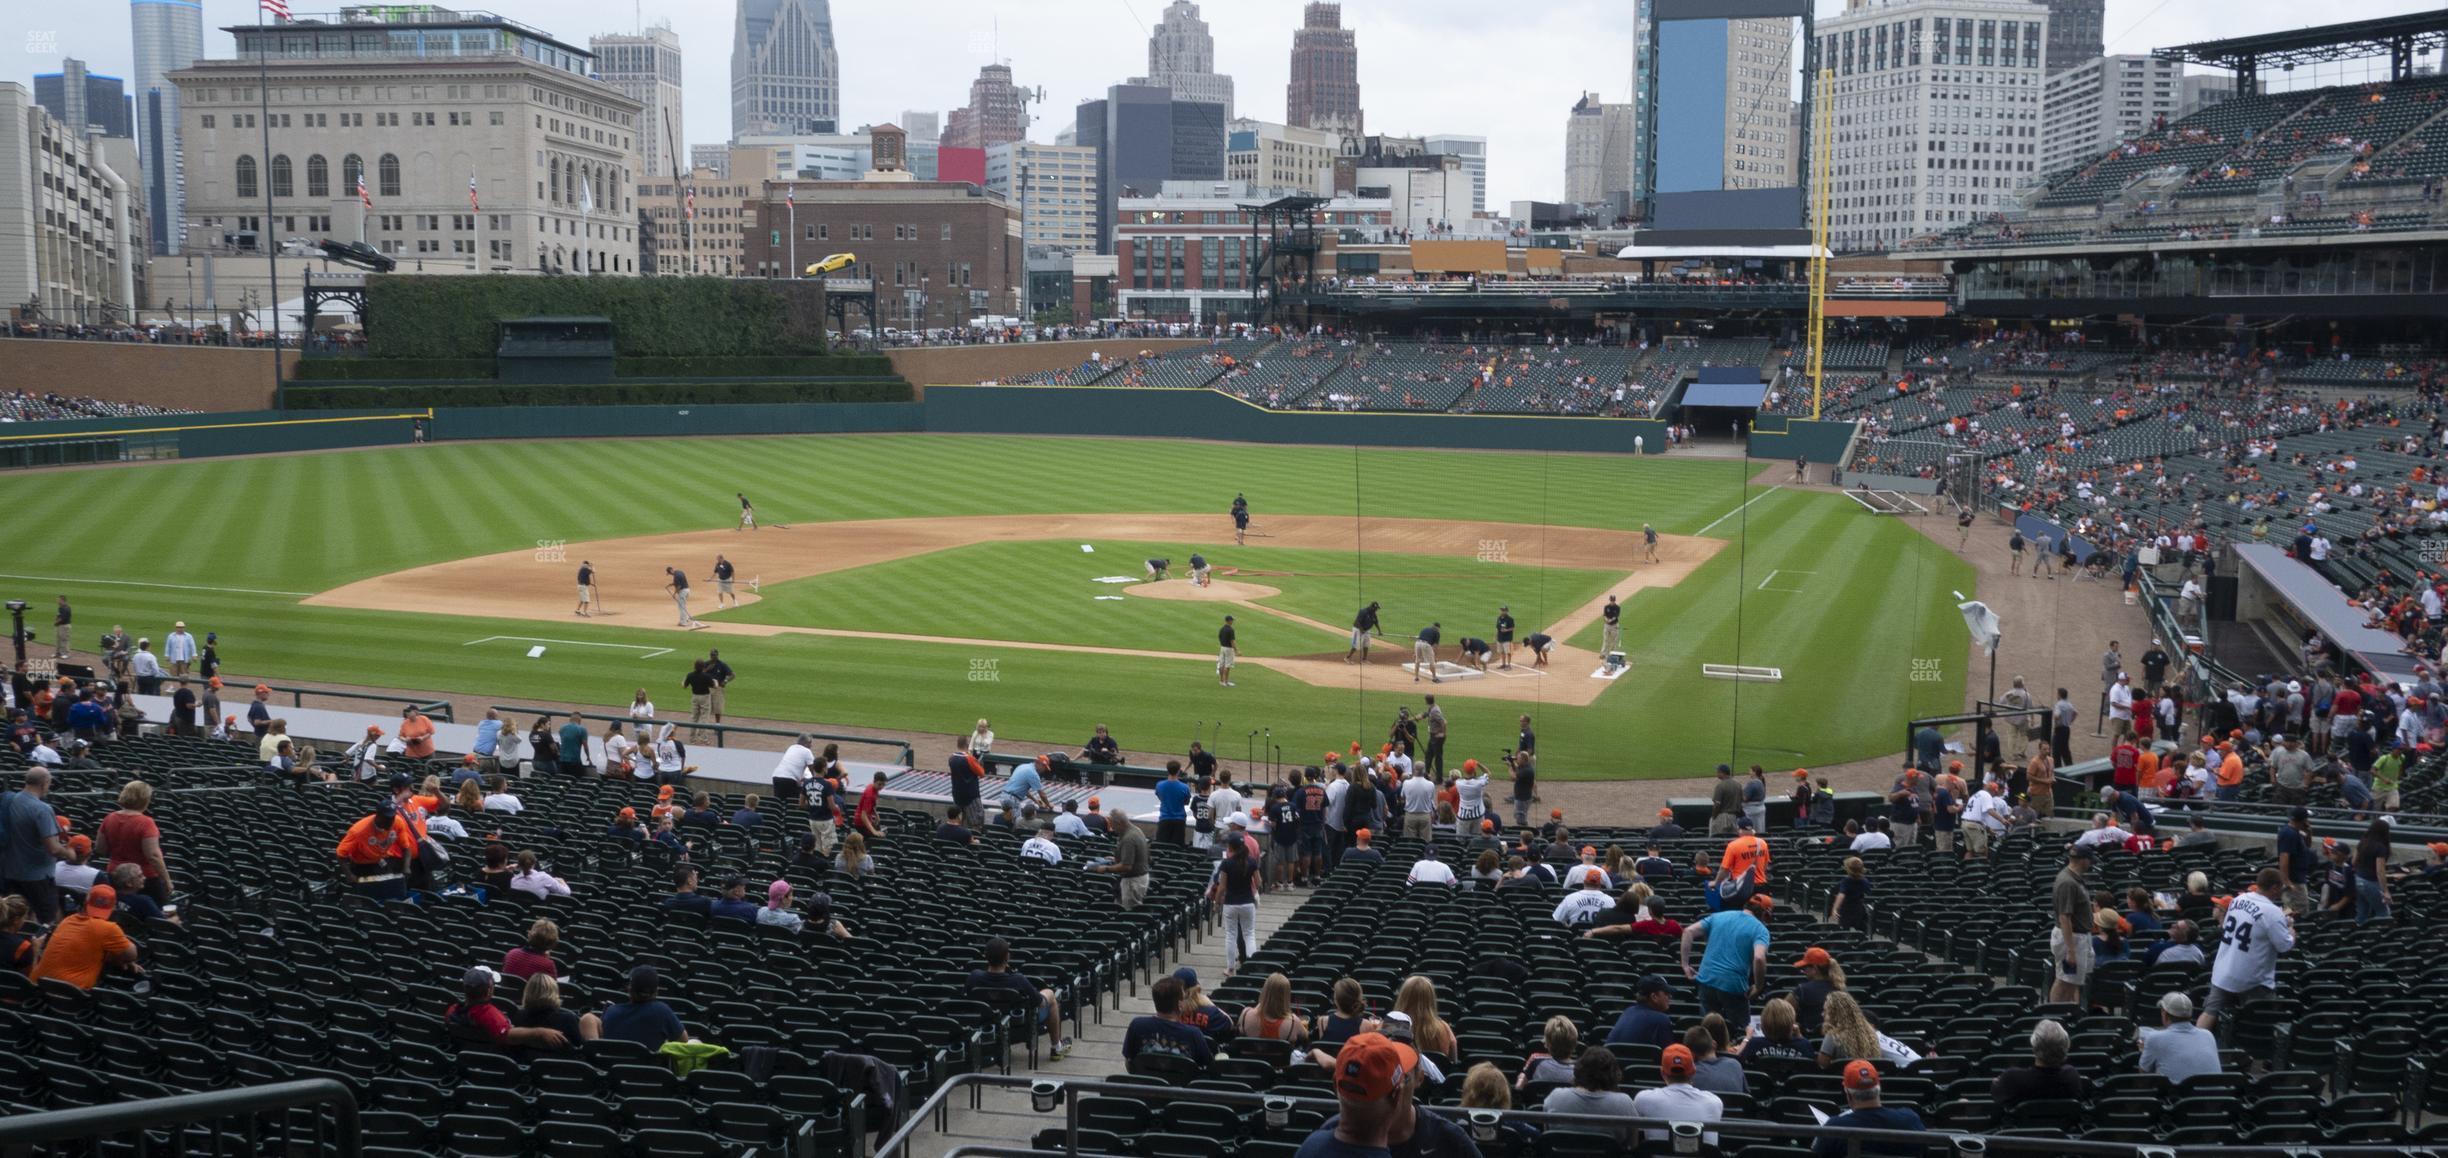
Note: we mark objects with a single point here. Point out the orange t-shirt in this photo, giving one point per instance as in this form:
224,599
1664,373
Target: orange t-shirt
362,845
2231,770
2146,769
1747,854
416,732
78,950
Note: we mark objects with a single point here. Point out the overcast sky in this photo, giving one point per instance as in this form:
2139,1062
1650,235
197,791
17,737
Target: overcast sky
1505,71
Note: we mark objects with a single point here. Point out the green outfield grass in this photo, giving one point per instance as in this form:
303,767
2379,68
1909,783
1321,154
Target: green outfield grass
1046,592
230,545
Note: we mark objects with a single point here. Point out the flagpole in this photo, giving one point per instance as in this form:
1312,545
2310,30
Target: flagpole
478,210
263,93
792,201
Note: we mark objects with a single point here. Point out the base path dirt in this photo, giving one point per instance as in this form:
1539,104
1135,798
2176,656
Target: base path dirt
629,576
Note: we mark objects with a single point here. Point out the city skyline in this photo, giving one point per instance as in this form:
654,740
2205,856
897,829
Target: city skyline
922,55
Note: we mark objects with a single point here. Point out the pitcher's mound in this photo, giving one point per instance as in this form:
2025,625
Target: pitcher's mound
1219,591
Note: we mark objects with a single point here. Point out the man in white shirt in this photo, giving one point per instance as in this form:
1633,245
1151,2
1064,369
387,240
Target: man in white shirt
1428,870
1588,868
1419,806
1225,801
2256,930
498,798
1581,906
1067,822
2120,707
179,648
1336,786
791,776
1470,795
1872,838
2103,831
74,873
44,754
1678,1100
1041,847
1983,818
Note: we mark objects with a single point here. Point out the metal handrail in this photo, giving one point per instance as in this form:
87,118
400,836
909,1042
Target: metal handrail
906,756
125,1118
1067,1091
438,709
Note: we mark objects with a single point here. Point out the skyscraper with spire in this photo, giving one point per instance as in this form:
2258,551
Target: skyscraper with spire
1181,57
169,36
1325,88
785,73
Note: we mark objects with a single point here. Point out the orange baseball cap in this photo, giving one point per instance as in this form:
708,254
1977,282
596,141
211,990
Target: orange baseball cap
1257,811
1470,765
1361,835
263,689
1860,1075
1331,757
1954,765
1676,1061
1486,824
1092,802
81,843
373,729
101,901
213,682
1356,746
1815,958
468,758
2438,848
1665,814
663,793
1555,814
1371,1066
1589,850
1801,773
1761,901
628,814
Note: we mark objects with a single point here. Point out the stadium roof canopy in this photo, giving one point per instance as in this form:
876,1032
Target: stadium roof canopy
2400,38
2320,602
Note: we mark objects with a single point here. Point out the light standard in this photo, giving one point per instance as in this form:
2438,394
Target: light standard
923,308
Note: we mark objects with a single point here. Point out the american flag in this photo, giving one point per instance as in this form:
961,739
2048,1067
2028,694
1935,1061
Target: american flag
473,207
363,197
278,8
692,203
790,195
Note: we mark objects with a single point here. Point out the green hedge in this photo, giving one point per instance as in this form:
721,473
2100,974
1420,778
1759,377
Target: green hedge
610,394
380,369
676,317
820,366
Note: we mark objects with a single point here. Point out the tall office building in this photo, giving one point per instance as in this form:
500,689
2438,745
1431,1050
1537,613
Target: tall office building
1274,159
1759,105
1644,62
1181,57
68,226
169,35
1054,187
2201,90
785,74
2095,106
1144,138
1473,151
2076,33
1598,141
86,102
1325,88
1938,108
646,68
997,113
921,126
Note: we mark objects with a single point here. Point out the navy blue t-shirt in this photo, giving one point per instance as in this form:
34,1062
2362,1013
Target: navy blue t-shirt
648,1023
1883,1118
1164,1035
1641,1025
2302,864
1324,1144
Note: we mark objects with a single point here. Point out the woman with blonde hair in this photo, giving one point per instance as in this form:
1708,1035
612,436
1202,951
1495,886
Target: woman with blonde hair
1417,1000
1272,1017
540,1006
129,836
1780,1035
1561,1043
1847,1034
854,860
471,798
1483,1088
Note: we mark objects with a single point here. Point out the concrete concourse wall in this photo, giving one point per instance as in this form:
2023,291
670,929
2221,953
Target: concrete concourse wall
973,364
205,378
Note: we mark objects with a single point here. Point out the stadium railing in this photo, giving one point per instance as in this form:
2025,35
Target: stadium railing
438,709
248,1119
902,753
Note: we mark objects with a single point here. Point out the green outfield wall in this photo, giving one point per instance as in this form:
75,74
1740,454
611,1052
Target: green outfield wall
1091,410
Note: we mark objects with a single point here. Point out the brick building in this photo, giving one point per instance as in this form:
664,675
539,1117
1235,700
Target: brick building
940,252
1187,254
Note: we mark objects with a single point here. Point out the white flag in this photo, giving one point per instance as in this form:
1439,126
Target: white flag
586,195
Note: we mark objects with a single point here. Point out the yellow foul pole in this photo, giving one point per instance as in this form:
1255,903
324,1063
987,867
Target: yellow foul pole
1823,150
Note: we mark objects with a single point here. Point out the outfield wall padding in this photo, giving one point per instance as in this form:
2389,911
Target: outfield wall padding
480,422
1090,410
1776,436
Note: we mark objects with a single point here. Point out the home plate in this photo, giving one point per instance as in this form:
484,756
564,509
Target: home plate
1445,670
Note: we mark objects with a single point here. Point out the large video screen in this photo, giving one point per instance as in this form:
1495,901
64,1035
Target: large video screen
1726,146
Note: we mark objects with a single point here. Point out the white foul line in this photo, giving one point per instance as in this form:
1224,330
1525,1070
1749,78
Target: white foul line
1763,586
651,652
164,586
1737,510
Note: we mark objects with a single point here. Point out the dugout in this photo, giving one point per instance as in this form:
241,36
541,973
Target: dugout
554,350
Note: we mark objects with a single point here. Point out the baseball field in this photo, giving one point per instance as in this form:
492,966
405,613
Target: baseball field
920,581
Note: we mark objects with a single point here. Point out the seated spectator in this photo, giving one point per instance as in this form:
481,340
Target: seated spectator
535,957
1780,1035
476,1020
494,875
999,975
2180,947
952,830
1349,1017
1486,873
625,827
2109,934
777,911
498,798
701,812
1586,865
642,1019
685,897
1068,823
666,834
1872,838
2048,1077
1713,1069
1580,908
2142,911
1364,849
73,873
1201,1011
1428,870
540,1008
1645,1023
853,860
1041,847
734,904
1679,1100
820,916
1166,1031
1595,1078
86,941
1553,1062
1845,1033
2195,902
2197,833
1375,1089
134,901
1864,1112
534,881
2178,1049
1484,1088
748,816
1271,1017
18,948
1417,1000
